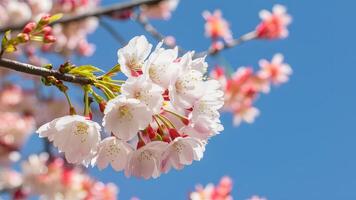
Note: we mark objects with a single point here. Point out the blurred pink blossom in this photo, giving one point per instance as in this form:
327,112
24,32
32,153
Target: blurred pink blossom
274,25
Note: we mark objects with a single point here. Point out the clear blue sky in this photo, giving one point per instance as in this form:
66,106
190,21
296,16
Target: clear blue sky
303,144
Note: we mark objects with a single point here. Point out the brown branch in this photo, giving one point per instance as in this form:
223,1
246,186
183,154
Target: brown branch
112,31
149,28
40,71
104,11
244,38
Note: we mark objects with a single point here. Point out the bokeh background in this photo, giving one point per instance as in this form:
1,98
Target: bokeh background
303,145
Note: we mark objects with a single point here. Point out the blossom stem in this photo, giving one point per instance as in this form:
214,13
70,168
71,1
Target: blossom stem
71,108
149,28
86,101
176,114
165,121
108,93
115,34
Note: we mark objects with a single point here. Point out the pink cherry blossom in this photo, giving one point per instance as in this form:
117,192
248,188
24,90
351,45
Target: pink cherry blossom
277,71
161,10
274,25
216,26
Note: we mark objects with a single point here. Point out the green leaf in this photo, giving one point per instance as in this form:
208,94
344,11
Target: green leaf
55,17
5,39
88,68
113,71
10,48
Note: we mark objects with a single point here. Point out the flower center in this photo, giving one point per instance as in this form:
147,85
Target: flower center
81,128
145,155
124,113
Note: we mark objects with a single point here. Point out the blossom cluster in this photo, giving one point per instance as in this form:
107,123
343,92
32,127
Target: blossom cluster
222,191
162,119
20,111
273,25
242,87
53,179
71,37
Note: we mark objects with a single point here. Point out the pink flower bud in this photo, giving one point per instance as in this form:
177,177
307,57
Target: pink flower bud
47,30
29,27
49,39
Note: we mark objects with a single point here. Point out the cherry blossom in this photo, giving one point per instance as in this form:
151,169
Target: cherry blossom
160,66
125,117
131,57
220,192
74,135
242,87
52,179
112,151
145,91
146,161
161,10
216,26
274,25
277,71
182,151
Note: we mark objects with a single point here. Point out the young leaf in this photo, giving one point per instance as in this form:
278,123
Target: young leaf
55,17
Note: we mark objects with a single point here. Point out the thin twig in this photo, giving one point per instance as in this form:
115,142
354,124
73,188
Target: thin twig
40,71
104,11
244,38
149,28
116,35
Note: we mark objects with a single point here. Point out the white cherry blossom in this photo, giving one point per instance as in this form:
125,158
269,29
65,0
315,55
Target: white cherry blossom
114,152
125,117
182,151
18,11
160,66
145,91
74,135
132,57
146,161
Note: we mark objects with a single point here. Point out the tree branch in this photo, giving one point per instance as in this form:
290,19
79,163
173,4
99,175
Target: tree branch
244,38
92,13
115,34
40,71
149,28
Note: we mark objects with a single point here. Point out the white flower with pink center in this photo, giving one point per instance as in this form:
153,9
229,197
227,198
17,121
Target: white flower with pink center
125,117
160,66
74,135
146,161
18,11
182,151
132,57
144,90
114,152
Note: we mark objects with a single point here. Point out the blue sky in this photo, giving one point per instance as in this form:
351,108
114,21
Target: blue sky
303,144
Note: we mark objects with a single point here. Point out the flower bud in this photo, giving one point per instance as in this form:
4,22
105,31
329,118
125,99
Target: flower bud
47,30
49,39
23,37
29,27
44,19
